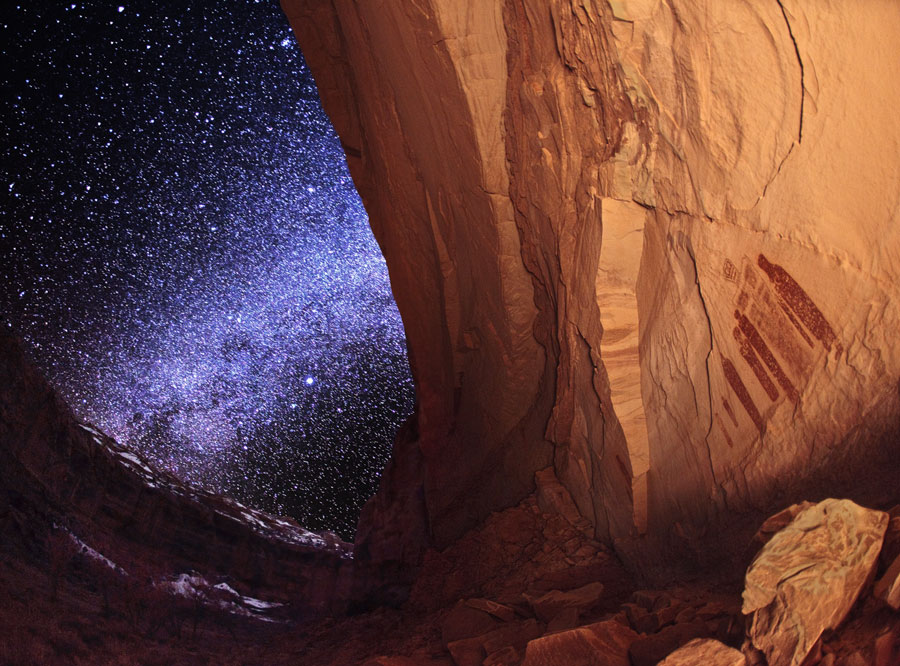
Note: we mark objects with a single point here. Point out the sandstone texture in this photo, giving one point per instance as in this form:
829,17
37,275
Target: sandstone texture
808,577
705,652
600,644
653,245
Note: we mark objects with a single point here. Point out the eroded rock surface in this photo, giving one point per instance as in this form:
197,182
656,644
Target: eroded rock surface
809,575
601,644
888,588
648,243
705,652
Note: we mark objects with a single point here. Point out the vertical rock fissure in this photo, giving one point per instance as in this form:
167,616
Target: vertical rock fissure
712,468
799,62
599,455
554,202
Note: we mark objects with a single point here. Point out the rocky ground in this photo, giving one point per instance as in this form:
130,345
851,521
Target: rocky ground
530,586
533,589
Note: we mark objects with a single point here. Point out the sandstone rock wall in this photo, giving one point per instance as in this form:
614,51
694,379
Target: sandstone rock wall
654,244
417,95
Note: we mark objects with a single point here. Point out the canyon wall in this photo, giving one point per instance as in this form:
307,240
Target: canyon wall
653,244
60,476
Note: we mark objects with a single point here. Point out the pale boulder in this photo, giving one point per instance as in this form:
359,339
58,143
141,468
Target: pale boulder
705,652
809,575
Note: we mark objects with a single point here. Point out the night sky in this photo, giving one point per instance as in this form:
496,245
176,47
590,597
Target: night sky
185,256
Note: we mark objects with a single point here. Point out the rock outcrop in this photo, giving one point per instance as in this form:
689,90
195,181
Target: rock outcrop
647,254
651,244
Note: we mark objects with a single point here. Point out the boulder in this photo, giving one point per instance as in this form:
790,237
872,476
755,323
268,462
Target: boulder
888,588
508,656
650,650
774,524
653,610
705,652
887,649
564,620
600,644
473,651
500,611
552,497
857,659
891,548
652,600
464,621
809,575
548,606
640,618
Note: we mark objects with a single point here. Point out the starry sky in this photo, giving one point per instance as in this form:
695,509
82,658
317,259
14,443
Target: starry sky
184,253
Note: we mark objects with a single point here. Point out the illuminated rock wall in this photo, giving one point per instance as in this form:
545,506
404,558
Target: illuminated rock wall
654,244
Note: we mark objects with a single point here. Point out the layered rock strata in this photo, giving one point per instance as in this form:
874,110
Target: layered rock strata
651,244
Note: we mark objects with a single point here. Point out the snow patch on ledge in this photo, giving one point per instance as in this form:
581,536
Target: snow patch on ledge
91,430
85,549
271,527
222,596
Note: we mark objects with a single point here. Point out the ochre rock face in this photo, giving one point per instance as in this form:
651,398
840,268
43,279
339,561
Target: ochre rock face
652,244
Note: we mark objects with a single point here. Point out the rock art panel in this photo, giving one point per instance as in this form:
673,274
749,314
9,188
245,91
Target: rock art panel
775,323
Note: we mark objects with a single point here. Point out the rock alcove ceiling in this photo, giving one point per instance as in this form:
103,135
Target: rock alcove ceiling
646,258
